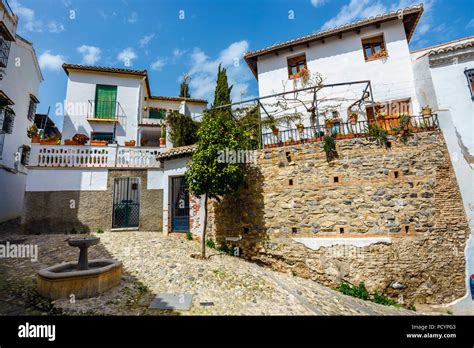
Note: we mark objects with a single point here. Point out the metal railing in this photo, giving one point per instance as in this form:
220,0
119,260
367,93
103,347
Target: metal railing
105,110
348,130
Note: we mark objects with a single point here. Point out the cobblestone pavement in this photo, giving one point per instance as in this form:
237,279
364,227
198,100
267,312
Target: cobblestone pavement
156,264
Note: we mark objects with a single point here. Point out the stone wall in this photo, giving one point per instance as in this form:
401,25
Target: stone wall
392,218
65,211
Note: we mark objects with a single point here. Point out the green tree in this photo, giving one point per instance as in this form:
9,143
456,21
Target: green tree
182,129
207,174
184,87
222,91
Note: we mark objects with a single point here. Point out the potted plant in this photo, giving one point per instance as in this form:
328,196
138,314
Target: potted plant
328,123
130,143
99,142
53,140
300,127
79,139
426,111
163,135
353,116
33,134
143,142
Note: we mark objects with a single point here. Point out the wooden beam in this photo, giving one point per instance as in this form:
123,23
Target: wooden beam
377,25
340,35
276,53
291,48
358,31
307,44
323,41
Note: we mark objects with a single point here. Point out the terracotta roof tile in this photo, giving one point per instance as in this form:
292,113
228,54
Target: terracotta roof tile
179,99
176,152
66,67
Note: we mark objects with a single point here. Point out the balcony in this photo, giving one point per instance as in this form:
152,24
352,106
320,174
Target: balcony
105,111
60,156
347,130
8,21
153,117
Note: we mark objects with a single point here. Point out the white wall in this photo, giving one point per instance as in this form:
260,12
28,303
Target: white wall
40,180
81,88
342,60
22,77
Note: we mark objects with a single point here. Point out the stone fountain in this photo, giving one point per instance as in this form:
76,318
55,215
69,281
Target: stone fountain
82,279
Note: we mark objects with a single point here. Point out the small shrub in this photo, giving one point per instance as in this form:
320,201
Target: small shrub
189,236
384,300
73,230
329,147
355,291
100,230
378,133
210,244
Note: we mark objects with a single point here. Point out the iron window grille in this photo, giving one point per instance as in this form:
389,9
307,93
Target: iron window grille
6,121
470,81
4,52
32,109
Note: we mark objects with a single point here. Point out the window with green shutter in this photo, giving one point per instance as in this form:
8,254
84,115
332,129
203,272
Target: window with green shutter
105,102
157,114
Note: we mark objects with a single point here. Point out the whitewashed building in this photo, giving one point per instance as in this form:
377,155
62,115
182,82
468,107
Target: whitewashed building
20,78
444,79
114,181
374,49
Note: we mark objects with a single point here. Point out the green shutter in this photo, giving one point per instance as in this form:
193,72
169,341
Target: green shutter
157,114
105,101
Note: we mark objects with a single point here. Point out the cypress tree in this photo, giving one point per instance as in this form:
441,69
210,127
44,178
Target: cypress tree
222,92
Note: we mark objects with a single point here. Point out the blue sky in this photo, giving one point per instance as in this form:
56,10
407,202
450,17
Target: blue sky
172,37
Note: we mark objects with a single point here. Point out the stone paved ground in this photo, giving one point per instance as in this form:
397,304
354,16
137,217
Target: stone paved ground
154,264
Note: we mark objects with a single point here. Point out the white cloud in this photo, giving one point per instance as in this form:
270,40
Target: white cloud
52,62
127,56
145,40
27,17
470,24
177,53
203,71
133,18
90,54
318,3
354,10
158,64
55,27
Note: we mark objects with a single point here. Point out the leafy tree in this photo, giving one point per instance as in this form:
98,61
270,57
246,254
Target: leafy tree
222,91
206,174
182,129
184,87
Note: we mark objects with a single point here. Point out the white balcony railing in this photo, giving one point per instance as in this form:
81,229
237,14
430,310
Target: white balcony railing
9,21
93,156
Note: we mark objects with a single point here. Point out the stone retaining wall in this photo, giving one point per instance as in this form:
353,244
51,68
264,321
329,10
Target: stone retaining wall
300,214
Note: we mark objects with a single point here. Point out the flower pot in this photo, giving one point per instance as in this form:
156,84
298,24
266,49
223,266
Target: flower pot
162,141
48,142
328,124
99,142
130,143
426,112
71,142
35,139
275,131
300,128
353,119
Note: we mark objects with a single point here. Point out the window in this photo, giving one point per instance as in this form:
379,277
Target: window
2,140
106,102
25,155
7,117
374,48
32,107
103,136
4,52
157,113
295,66
470,81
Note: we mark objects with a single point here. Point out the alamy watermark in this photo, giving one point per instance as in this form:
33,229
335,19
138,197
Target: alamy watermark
25,251
237,156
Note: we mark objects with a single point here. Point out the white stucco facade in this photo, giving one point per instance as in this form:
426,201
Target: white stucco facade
340,60
21,80
442,83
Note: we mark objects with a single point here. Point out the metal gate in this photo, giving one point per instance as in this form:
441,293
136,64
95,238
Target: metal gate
126,209
180,205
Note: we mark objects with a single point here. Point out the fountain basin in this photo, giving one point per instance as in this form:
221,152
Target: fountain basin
64,280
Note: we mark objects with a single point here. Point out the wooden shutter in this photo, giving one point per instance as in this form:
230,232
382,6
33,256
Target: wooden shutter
105,102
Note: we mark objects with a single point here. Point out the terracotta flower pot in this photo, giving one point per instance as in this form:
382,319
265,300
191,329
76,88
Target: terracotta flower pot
71,142
35,139
99,142
275,131
328,124
162,141
130,143
48,142
300,128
